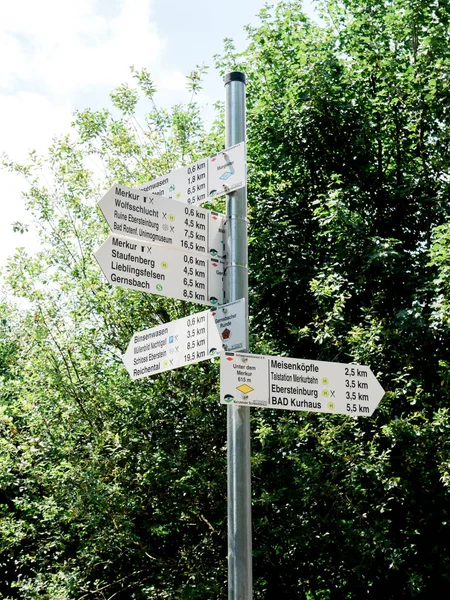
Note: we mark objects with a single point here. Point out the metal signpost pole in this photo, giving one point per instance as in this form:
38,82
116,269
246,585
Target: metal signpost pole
238,425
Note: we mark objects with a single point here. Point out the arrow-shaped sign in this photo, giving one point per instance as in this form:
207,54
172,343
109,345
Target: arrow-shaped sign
164,271
298,384
208,178
185,341
139,215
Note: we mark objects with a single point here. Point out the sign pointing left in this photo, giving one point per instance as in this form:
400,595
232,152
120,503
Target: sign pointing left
172,345
163,271
185,341
163,221
208,178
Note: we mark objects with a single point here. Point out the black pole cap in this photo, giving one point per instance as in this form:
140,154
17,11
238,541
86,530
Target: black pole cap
235,76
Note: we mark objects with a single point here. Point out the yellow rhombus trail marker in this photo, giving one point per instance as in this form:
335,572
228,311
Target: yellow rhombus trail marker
245,389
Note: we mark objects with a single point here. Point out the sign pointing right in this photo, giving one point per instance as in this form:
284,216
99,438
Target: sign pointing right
298,384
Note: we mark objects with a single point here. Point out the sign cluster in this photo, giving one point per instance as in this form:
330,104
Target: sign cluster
164,243
161,243
166,246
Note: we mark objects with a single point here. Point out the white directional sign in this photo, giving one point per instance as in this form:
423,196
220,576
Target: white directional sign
159,270
185,341
208,178
298,384
163,221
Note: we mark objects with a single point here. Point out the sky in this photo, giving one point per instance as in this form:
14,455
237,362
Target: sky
58,56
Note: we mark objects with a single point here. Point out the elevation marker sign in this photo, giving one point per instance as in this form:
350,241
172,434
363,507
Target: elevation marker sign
208,178
163,271
298,384
185,341
139,215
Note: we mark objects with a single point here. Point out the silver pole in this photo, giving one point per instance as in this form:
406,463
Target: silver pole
240,584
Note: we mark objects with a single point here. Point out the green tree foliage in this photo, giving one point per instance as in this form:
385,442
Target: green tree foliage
112,488
349,163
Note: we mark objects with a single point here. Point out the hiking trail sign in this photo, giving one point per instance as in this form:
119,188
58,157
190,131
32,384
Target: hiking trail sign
161,270
205,179
186,341
298,384
162,221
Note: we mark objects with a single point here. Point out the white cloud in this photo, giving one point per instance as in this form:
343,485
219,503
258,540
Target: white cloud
62,46
173,81
29,120
50,51
12,60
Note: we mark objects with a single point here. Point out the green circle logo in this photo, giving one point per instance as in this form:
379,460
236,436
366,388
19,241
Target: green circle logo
164,265
159,287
